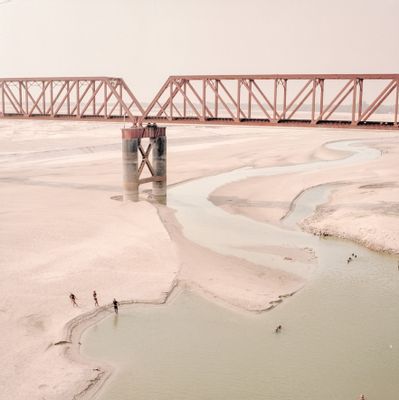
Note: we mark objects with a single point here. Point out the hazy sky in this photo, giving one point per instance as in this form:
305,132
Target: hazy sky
145,41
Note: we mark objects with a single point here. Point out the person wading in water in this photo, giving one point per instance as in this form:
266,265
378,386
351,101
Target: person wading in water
116,304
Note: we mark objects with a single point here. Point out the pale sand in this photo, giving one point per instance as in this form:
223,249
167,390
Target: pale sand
60,232
232,280
363,206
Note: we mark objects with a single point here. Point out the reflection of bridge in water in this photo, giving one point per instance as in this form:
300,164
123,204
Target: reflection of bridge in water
335,101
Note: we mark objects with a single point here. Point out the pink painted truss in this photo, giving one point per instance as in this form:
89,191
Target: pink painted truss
352,101
87,98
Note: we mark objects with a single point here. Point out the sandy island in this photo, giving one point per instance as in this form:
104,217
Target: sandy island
61,232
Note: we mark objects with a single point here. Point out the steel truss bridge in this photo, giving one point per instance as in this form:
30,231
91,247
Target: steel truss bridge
345,100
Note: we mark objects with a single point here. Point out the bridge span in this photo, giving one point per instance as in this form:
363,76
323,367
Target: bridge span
319,100
332,100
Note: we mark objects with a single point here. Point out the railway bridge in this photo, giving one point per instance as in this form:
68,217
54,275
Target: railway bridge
320,100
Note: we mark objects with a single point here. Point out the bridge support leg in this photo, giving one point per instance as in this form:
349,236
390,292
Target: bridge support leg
159,165
130,146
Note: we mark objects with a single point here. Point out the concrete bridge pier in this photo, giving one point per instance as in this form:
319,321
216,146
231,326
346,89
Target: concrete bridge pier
159,165
133,167
130,147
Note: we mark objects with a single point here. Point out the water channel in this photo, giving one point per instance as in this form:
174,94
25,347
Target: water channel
340,335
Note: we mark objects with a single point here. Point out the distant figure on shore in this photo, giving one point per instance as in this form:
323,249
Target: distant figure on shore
73,299
116,304
278,329
95,299
349,260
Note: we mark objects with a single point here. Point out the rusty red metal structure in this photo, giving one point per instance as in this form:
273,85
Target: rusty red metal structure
86,98
339,100
293,100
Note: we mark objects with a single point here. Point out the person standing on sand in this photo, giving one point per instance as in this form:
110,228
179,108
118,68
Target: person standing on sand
95,299
278,329
116,304
73,299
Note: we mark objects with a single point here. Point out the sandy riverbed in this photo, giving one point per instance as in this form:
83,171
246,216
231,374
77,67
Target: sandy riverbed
363,206
60,231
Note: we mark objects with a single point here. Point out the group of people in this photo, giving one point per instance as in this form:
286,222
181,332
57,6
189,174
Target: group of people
321,234
351,258
115,303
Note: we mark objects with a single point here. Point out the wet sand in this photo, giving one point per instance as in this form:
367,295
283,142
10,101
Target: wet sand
61,233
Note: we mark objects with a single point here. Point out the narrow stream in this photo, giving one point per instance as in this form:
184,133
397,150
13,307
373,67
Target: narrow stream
228,234
340,334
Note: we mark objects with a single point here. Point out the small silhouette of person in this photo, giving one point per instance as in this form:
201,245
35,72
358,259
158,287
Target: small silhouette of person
278,329
116,305
73,299
95,299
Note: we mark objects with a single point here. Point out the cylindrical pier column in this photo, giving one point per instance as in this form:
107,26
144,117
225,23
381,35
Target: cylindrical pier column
130,146
159,166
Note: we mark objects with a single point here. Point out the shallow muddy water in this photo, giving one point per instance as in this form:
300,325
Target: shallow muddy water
340,335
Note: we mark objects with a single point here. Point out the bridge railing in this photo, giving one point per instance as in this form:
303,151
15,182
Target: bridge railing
89,98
